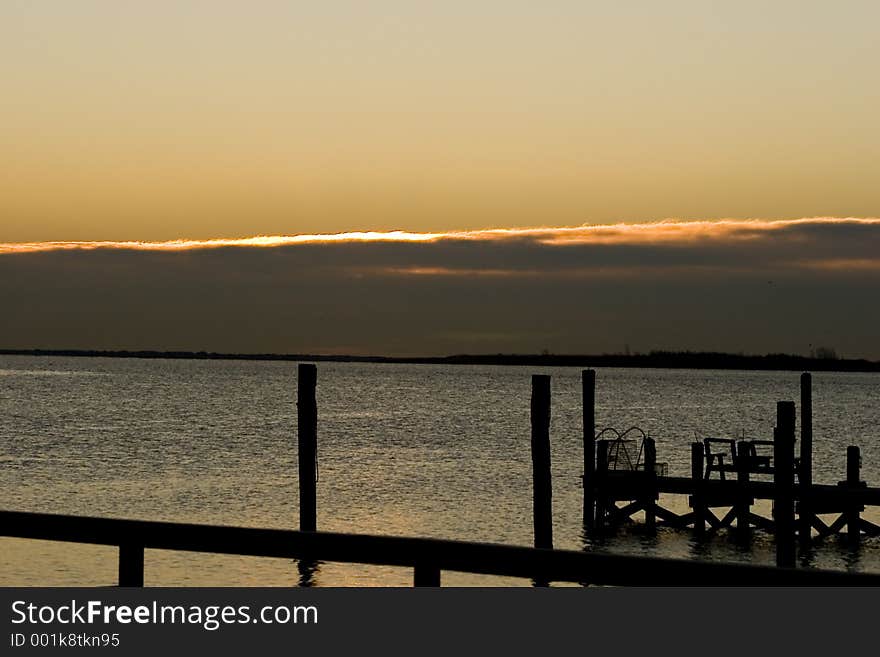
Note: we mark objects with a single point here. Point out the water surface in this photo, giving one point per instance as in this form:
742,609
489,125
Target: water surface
416,450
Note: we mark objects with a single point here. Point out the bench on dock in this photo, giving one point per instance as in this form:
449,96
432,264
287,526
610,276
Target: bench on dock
724,455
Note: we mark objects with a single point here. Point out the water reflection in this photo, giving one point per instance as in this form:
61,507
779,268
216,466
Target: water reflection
307,572
806,556
851,551
436,451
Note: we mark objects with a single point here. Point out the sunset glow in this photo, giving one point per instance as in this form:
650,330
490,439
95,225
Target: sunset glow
645,233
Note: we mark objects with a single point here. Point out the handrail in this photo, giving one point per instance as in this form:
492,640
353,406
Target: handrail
428,556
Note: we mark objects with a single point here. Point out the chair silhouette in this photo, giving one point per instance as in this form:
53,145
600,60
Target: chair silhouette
715,459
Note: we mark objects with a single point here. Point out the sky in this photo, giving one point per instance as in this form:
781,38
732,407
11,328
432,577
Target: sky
420,126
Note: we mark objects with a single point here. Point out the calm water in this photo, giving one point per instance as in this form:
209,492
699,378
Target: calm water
403,449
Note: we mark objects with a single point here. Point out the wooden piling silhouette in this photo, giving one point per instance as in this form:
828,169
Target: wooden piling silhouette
744,500
805,467
541,481
853,482
601,477
783,481
650,486
588,387
307,437
697,501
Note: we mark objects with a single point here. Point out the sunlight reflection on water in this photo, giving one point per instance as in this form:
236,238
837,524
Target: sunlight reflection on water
404,449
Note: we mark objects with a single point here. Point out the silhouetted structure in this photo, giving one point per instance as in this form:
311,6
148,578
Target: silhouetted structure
797,501
460,556
307,439
543,489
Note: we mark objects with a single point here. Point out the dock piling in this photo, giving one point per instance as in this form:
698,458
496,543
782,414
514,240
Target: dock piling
698,503
650,491
805,469
783,481
588,385
743,499
601,482
853,482
307,436
541,482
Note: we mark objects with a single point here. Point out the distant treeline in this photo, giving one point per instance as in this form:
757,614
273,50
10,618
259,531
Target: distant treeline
664,359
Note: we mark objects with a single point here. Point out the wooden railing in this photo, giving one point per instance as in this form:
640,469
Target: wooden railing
426,556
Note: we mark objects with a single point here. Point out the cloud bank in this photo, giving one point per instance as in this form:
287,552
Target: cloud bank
732,285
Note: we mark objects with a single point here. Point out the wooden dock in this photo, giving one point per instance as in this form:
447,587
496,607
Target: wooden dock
614,494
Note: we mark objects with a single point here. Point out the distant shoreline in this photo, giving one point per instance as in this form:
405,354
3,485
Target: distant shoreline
655,359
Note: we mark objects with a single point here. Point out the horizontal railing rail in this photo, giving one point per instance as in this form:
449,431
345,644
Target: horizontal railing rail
427,556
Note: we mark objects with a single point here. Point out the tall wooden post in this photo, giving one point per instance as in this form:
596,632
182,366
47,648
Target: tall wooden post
650,490
542,488
307,435
783,480
698,502
588,386
853,483
805,470
743,498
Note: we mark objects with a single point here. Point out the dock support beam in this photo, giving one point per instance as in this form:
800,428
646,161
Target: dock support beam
541,483
131,565
588,384
805,470
783,480
698,502
307,436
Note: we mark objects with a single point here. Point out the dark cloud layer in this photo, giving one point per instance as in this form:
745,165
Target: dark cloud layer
733,286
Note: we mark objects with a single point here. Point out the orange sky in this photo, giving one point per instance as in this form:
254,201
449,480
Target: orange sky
159,121
440,177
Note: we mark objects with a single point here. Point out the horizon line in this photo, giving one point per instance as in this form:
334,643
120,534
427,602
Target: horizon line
714,359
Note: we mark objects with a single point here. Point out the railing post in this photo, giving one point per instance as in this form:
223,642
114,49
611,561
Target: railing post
805,468
131,564
307,436
698,502
783,480
588,385
426,575
542,488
